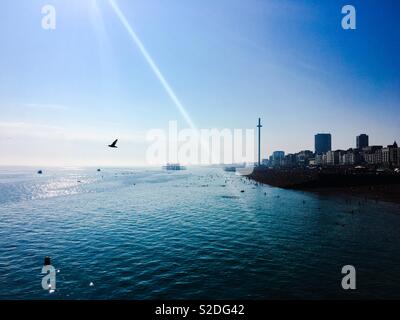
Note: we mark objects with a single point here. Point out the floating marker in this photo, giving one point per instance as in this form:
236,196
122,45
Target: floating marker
47,261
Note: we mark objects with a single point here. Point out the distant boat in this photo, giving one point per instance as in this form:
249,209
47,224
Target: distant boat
39,172
98,170
233,168
230,169
174,166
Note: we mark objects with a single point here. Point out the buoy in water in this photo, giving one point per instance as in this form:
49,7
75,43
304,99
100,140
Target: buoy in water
47,261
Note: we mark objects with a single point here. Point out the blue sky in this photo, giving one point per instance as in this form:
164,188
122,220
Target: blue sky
66,93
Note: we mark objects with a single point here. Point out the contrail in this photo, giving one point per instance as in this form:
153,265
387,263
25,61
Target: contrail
152,64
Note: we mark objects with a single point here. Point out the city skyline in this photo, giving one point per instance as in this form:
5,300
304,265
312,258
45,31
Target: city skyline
349,147
67,93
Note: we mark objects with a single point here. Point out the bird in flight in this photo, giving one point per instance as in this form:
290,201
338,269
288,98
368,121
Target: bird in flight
114,144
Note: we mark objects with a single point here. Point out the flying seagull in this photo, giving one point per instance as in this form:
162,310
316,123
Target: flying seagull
114,144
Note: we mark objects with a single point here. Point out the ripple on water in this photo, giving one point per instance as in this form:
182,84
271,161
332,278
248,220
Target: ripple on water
169,237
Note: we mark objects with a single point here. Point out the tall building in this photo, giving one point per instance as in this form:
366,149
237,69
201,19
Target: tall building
362,141
323,143
278,155
277,158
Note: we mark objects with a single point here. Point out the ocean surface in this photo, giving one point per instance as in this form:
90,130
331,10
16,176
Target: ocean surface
153,234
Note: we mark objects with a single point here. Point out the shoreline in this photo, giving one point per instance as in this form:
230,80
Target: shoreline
367,185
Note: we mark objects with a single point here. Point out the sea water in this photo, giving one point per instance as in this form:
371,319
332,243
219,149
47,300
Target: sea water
127,233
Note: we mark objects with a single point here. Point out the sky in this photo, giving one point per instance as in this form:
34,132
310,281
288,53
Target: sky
65,94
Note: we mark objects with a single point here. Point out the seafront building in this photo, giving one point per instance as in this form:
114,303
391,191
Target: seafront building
277,158
390,154
351,157
334,157
322,143
362,155
362,141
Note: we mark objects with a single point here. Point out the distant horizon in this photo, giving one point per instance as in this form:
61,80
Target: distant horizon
129,164
146,165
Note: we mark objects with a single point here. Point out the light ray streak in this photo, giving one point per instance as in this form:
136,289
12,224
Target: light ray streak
163,81
152,64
